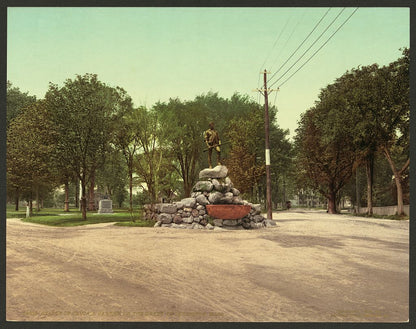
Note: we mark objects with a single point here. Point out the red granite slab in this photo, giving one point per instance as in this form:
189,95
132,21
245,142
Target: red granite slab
227,211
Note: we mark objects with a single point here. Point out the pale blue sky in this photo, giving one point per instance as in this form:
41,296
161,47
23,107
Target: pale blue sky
158,53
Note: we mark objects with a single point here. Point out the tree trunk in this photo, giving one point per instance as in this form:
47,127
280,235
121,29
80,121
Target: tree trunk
187,191
91,205
357,191
400,208
332,203
16,200
77,193
186,184
130,189
37,199
30,206
83,200
284,192
66,203
369,171
397,180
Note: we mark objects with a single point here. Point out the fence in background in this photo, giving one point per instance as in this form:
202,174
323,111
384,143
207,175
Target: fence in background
385,211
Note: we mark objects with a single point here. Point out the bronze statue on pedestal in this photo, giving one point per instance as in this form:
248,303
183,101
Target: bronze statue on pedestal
212,139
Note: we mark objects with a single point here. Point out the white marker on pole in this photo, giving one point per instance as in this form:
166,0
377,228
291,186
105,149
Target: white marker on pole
267,157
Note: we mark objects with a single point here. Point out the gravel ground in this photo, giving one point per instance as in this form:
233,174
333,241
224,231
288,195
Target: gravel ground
311,267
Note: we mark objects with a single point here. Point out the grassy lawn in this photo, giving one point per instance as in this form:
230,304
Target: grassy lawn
57,217
139,223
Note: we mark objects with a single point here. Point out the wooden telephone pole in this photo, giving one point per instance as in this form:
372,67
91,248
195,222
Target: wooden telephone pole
266,92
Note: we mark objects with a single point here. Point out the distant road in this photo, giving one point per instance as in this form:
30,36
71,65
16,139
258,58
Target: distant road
311,267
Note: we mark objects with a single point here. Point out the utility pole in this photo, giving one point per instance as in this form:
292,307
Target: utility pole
267,146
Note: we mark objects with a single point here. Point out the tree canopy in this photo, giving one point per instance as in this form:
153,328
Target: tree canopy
363,112
84,111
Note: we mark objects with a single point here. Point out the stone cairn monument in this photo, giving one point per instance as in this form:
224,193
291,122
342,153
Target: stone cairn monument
214,204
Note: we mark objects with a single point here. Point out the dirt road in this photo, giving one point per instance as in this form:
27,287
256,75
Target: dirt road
310,267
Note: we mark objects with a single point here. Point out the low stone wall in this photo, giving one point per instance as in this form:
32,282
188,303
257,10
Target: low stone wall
385,211
214,187
190,214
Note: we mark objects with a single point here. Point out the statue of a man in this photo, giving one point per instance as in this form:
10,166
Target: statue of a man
212,139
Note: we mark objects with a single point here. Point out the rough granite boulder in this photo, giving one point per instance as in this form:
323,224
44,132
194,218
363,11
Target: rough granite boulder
203,186
168,208
188,220
177,219
269,223
215,197
202,200
197,226
258,218
217,185
227,198
188,202
216,172
256,209
235,191
165,218
218,222
229,222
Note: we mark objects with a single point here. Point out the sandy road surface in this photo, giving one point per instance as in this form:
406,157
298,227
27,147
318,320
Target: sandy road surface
311,267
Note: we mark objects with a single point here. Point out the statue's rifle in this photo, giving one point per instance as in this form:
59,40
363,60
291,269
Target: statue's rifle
213,146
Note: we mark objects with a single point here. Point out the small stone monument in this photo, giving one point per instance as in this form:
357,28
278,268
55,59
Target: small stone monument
213,204
105,206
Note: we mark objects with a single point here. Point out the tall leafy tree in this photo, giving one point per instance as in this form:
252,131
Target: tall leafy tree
183,126
151,154
356,88
393,118
16,101
244,162
126,138
30,144
84,111
325,156
379,101
111,178
282,170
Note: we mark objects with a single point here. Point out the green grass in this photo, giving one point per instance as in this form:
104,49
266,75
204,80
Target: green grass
136,224
21,213
57,217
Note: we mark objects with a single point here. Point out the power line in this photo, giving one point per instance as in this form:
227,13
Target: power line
277,39
318,49
290,37
326,29
301,44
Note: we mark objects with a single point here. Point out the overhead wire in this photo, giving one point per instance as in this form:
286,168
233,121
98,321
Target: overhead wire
318,48
275,43
289,38
301,44
304,53
268,56
278,38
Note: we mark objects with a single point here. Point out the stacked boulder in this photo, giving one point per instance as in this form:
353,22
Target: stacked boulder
214,187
